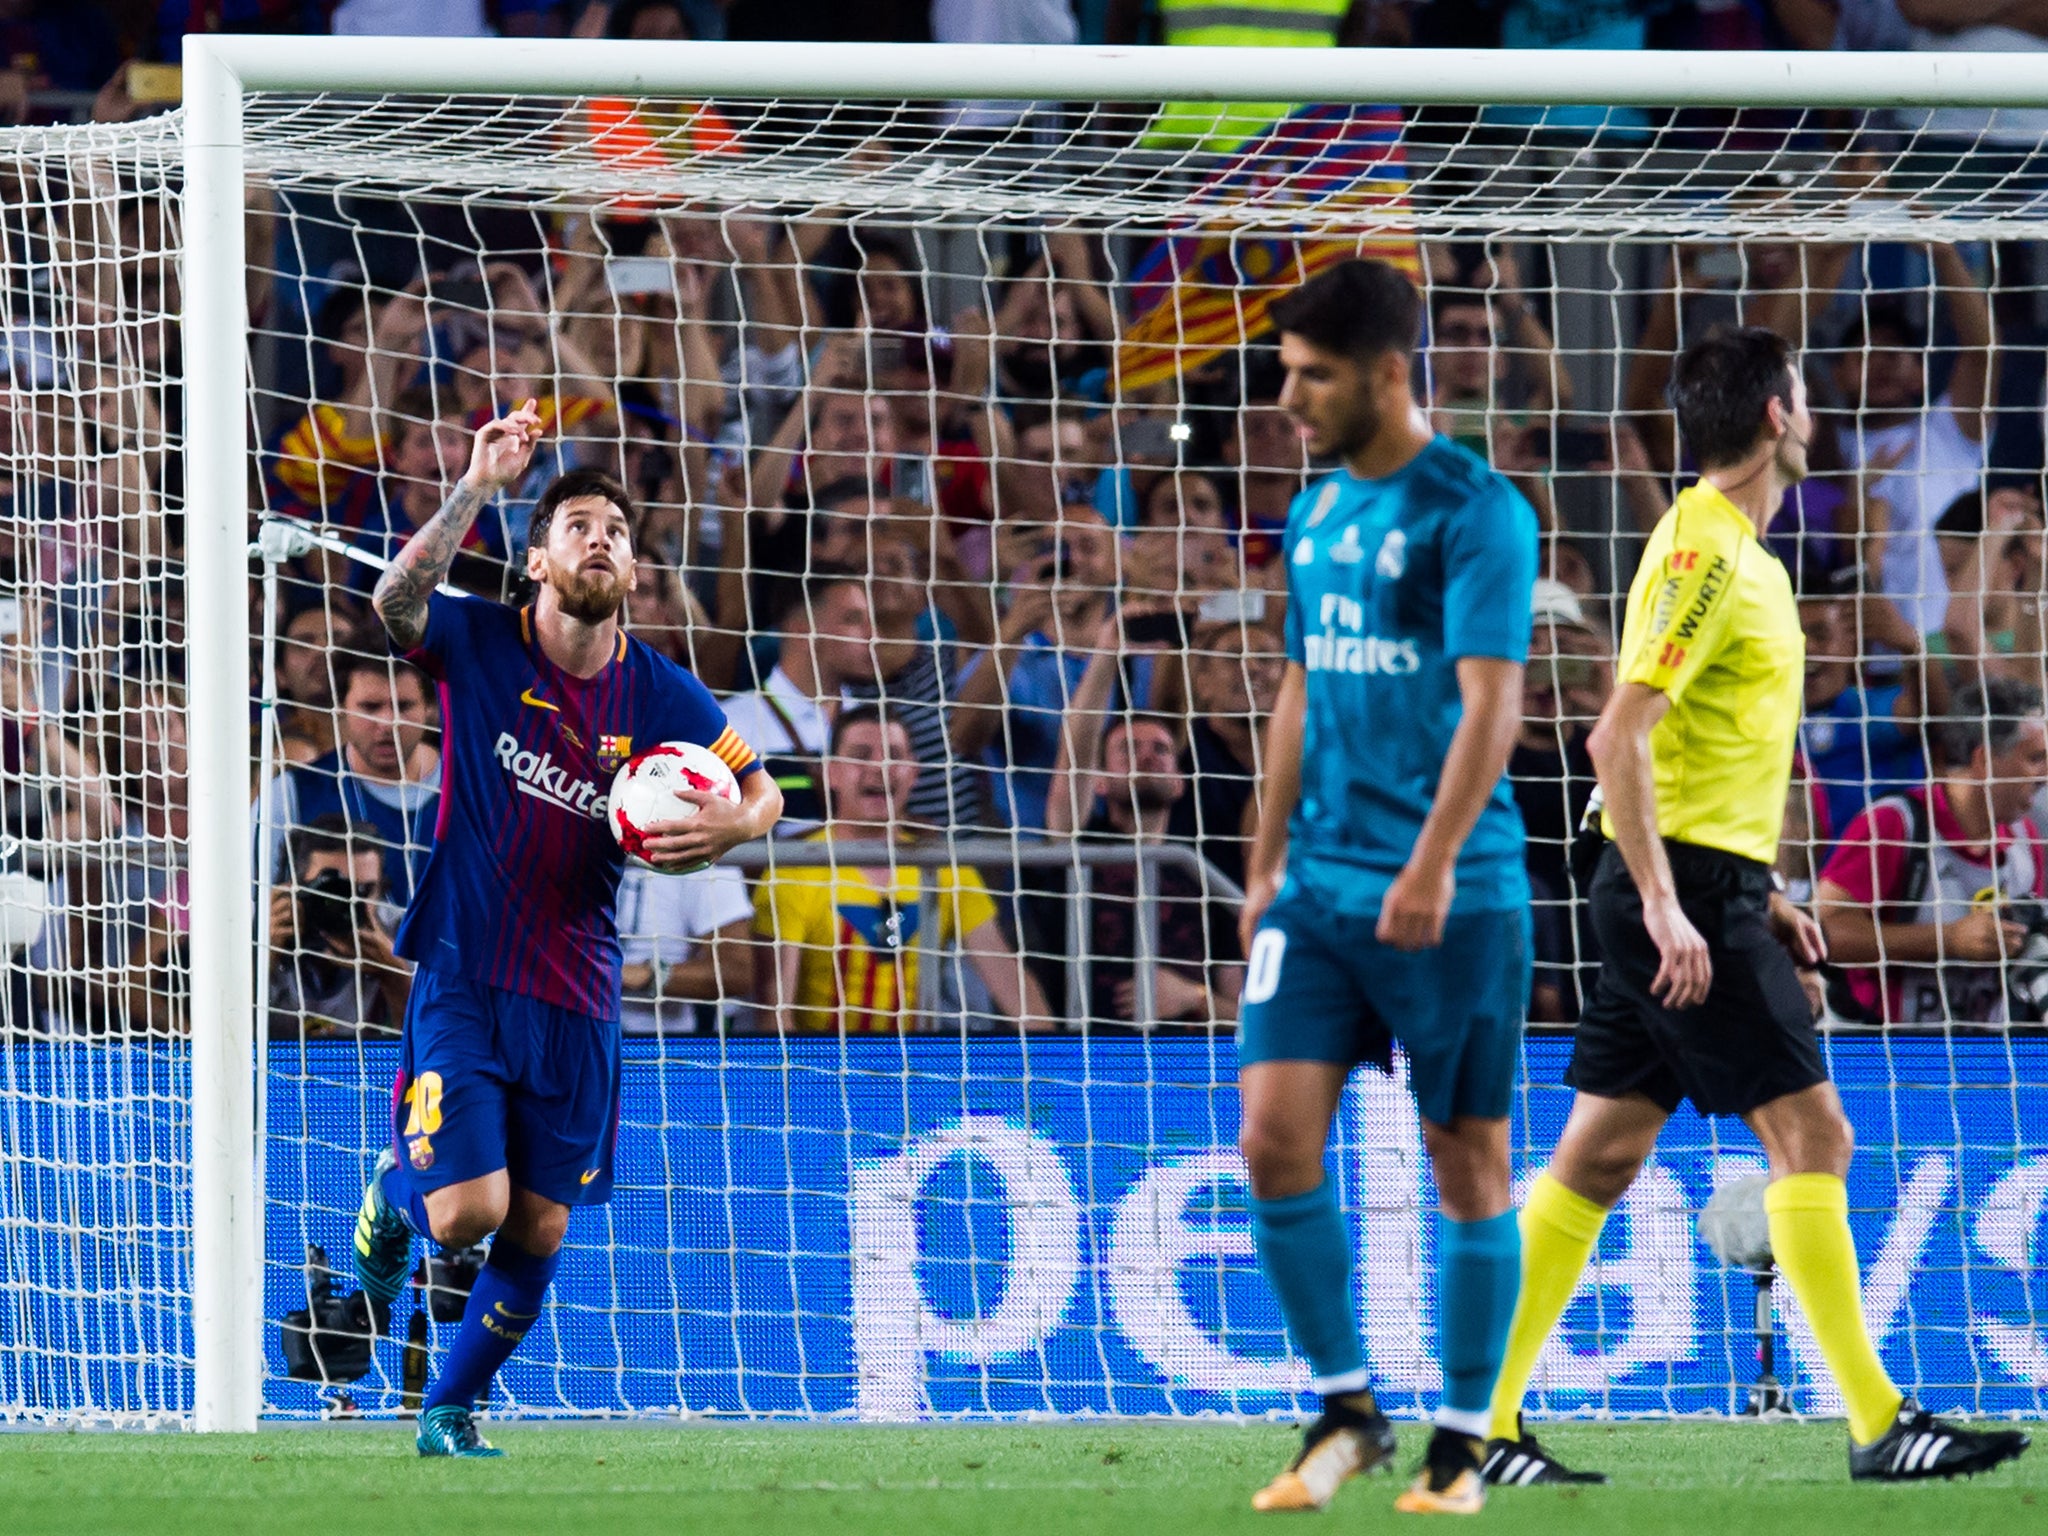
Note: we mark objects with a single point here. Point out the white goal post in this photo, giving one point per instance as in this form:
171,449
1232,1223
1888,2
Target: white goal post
219,72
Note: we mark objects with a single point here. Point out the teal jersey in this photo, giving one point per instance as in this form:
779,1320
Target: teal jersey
1390,582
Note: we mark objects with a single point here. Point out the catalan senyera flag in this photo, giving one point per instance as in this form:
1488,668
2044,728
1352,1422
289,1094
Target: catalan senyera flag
1202,291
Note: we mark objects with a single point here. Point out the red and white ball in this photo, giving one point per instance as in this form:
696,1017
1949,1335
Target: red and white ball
644,794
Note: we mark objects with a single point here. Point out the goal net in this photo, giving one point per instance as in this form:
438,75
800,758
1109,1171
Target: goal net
970,410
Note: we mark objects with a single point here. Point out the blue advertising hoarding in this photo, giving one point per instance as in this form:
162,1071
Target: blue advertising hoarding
898,1229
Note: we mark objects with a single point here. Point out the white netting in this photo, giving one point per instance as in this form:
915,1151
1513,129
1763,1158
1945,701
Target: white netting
986,426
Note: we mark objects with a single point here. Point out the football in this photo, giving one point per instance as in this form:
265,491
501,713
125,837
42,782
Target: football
644,794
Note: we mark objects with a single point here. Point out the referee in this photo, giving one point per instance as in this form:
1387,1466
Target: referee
1698,995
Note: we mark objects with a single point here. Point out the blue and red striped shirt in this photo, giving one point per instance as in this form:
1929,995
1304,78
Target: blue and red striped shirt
521,890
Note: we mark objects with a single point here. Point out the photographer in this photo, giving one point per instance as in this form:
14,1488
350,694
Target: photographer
333,973
1933,890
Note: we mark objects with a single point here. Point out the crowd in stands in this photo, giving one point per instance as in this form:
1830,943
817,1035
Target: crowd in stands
1006,637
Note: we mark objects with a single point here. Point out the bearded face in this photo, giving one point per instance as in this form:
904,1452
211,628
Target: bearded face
587,560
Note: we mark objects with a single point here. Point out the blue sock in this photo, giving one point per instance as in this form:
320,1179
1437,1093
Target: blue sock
502,1306
1479,1268
1305,1253
407,1197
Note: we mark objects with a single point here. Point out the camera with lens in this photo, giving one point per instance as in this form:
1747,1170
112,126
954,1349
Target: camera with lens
329,912
2026,973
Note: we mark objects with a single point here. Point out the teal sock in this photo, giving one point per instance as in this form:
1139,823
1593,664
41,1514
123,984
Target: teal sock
1305,1254
1479,1270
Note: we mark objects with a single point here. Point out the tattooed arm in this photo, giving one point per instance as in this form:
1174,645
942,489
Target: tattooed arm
499,456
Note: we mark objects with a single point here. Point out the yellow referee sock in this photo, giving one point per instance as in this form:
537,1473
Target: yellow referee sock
1559,1229
1810,1240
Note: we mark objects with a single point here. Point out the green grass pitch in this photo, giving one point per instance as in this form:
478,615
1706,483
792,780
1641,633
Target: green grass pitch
1036,1480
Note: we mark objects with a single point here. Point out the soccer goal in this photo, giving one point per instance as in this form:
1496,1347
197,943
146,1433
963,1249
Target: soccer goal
891,344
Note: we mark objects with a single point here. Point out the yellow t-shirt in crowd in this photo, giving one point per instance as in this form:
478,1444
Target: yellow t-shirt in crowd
858,939
1712,625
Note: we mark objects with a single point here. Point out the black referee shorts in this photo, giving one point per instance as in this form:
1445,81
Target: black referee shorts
1751,1041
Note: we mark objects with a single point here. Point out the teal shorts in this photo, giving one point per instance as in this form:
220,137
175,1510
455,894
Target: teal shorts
1320,987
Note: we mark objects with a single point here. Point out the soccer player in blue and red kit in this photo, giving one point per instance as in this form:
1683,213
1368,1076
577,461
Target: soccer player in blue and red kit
506,1107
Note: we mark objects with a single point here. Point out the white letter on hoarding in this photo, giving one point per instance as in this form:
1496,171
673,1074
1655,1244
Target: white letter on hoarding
1396,1291
1886,1281
1658,1270
2008,1228
893,1327
1150,1239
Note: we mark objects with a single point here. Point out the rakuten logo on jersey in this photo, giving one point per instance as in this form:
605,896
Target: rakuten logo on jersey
536,774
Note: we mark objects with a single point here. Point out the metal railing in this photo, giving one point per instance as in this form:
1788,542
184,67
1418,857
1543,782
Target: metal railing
1078,857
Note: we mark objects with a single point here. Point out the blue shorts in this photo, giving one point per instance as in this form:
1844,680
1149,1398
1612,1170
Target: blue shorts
1320,987
489,1079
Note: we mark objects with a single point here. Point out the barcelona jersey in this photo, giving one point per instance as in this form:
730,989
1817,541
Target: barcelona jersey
520,892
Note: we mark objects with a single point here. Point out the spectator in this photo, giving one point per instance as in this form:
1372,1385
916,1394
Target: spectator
687,948
1270,464
1992,559
1234,674
384,777
1491,355
1219,127
1011,699
1858,741
333,972
305,686
1927,894
827,647
916,669
847,940
1130,773
1180,544
1564,688
324,465
1936,452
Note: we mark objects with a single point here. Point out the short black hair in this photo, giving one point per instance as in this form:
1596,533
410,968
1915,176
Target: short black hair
1721,388
847,488
1891,315
1357,309
353,654
807,591
859,714
568,486
1963,516
332,833
1990,715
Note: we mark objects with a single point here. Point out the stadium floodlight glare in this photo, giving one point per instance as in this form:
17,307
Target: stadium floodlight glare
477,124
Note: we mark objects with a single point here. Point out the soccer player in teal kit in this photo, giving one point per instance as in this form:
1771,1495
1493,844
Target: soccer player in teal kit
1404,913
506,1105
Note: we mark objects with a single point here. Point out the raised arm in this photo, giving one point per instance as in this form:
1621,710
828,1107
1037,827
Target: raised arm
1974,379
499,456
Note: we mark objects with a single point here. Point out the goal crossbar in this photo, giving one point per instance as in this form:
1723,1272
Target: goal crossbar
220,72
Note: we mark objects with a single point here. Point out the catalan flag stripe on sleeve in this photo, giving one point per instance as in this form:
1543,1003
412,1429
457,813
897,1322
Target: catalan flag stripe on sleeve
732,751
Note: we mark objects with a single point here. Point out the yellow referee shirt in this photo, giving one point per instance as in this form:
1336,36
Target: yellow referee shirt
1713,626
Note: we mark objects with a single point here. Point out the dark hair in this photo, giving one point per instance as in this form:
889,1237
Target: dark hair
847,488
1441,299
1963,516
352,655
1130,720
1990,715
1357,309
332,833
859,714
807,591
568,487
1884,314
1721,388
